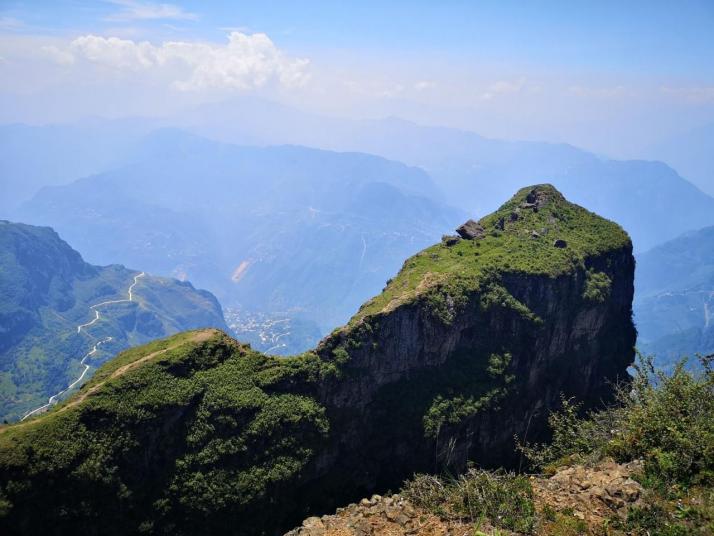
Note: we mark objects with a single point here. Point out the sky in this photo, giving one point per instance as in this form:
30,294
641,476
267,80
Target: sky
612,77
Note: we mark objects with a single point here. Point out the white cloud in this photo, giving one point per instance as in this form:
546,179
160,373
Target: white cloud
503,87
695,94
134,10
423,85
245,62
61,57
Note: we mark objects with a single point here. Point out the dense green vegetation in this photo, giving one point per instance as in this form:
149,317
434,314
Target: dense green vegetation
228,431
519,240
46,291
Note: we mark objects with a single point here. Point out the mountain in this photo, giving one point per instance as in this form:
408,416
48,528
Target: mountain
473,342
674,307
33,156
692,153
650,199
51,325
266,229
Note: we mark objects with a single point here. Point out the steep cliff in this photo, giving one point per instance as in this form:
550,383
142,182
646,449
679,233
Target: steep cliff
470,344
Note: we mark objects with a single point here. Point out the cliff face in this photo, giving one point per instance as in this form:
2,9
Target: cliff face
473,342
558,342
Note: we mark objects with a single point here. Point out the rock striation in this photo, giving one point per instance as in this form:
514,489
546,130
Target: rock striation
471,344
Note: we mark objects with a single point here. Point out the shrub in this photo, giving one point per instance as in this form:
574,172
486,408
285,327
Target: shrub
505,499
597,286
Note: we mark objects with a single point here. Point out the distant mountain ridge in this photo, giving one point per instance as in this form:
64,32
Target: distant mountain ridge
650,199
51,323
274,228
674,307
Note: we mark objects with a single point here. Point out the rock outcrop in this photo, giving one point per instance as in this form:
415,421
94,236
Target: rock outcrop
471,230
468,346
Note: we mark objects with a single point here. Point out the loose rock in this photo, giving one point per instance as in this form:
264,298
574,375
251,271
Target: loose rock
471,230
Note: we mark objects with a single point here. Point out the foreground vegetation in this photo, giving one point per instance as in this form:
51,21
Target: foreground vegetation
664,419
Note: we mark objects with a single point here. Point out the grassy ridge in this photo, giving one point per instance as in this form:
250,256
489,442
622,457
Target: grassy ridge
222,417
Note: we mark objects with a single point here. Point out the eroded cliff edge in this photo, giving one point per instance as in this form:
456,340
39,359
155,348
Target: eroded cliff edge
471,344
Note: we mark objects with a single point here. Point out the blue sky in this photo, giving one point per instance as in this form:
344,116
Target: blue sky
559,70
649,37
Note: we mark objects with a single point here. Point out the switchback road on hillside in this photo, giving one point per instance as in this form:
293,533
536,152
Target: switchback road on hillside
55,398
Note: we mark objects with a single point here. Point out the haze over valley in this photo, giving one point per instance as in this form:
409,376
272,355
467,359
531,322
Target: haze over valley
327,269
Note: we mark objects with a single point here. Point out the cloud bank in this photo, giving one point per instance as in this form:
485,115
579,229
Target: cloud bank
245,62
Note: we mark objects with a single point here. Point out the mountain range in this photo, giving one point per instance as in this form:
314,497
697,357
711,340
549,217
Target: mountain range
272,229
288,232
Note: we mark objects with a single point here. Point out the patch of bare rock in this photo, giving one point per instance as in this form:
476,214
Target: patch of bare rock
380,516
591,494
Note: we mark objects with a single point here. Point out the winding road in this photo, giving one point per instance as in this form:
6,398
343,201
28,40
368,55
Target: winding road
55,398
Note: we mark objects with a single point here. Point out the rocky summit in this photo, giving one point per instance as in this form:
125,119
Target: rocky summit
470,345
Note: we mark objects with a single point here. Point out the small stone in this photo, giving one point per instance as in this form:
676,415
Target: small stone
313,526
364,502
535,234
376,498
312,522
560,243
450,240
631,490
402,519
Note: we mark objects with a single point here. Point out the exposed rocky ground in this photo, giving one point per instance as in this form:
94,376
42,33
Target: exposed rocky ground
586,497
